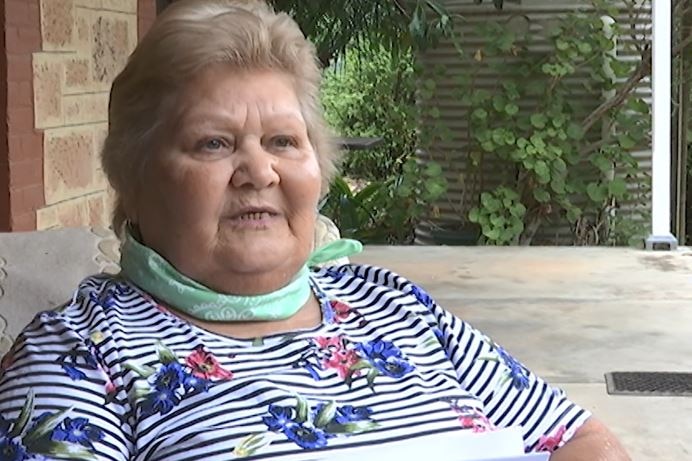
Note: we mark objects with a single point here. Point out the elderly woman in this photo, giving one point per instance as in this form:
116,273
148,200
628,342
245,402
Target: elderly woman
222,338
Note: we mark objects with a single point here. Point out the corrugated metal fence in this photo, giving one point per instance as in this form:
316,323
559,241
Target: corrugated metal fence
453,153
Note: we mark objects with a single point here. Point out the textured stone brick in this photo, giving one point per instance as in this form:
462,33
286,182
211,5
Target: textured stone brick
73,213
96,206
100,132
57,24
68,165
126,6
82,34
94,4
48,84
47,218
77,75
110,40
85,108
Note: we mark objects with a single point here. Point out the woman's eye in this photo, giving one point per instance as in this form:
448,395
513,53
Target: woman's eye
283,142
214,144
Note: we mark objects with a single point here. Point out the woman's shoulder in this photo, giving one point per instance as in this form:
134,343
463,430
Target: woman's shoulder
369,273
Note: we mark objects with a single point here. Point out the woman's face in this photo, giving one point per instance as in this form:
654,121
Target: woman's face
229,198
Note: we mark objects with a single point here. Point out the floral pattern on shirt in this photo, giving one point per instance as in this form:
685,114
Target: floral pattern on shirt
514,371
308,426
166,386
550,443
351,360
50,435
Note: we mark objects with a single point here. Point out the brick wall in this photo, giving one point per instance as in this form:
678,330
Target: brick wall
60,59
23,157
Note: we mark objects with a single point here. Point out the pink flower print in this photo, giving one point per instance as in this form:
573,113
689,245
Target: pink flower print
341,360
336,355
324,342
471,418
205,366
341,310
551,443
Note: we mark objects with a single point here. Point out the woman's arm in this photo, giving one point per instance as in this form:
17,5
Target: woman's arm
591,442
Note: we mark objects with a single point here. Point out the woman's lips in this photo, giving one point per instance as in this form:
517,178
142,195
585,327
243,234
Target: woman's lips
254,220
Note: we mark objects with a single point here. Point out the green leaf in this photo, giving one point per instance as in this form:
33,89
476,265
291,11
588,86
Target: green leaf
542,171
143,371
559,165
45,427
541,195
617,188
498,221
434,113
354,427
626,141
558,185
539,120
490,203
61,450
584,48
596,192
480,114
302,409
433,169
372,374
166,356
24,416
474,215
251,444
511,109
492,234
573,214
518,210
561,44
498,103
326,414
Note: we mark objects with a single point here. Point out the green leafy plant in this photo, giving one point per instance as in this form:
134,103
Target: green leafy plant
385,211
370,93
557,163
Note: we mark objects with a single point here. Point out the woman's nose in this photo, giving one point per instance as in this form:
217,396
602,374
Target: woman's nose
254,167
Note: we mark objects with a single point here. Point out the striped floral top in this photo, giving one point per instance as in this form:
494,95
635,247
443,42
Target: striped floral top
114,376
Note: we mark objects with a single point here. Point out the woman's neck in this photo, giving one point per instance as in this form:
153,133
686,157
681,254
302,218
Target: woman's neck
309,316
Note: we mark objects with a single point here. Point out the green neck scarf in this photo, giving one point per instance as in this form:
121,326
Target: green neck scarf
152,273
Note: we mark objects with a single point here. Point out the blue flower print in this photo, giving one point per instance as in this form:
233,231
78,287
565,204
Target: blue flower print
169,377
299,431
306,437
11,450
386,358
77,358
517,372
194,384
422,297
279,418
349,414
77,430
73,372
160,401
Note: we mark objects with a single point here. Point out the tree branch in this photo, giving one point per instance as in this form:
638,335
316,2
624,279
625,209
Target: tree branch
621,94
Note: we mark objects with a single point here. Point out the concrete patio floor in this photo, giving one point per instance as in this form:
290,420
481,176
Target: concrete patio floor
569,314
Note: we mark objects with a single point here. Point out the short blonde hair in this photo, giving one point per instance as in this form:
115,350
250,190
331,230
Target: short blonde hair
189,36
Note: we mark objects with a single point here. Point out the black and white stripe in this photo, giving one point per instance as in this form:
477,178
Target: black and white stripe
209,425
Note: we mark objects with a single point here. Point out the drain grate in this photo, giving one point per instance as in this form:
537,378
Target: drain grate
649,383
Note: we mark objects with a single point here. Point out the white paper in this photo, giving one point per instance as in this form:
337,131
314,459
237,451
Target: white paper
500,445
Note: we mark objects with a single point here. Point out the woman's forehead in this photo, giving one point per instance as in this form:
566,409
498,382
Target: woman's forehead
232,96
